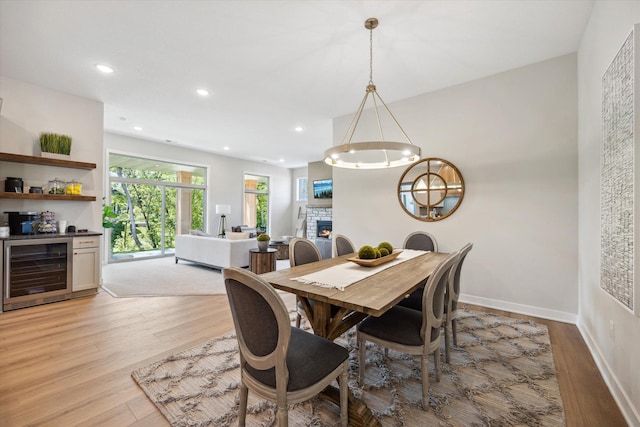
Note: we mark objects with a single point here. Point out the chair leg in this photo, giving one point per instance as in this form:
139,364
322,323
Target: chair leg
454,331
242,411
386,352
298,320
283,415
447,343
344,396
436,362
425,382
361,361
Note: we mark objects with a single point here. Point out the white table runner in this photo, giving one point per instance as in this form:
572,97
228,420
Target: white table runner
344,275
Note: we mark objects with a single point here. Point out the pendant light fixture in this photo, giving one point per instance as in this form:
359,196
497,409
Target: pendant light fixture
372,154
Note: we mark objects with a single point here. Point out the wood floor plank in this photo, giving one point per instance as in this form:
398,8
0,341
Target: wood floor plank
70,363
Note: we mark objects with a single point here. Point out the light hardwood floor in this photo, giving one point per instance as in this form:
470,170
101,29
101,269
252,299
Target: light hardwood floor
69,363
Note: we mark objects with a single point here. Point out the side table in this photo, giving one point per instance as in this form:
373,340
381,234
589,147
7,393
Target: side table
262,261
282,248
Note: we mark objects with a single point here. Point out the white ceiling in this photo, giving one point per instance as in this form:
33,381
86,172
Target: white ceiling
270,65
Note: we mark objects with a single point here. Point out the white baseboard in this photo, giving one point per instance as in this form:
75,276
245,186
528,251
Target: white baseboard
629,412
529,310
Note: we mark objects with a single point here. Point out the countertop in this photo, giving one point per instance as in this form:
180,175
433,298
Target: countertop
50,235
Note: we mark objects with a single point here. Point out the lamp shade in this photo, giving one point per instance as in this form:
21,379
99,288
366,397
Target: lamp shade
223,209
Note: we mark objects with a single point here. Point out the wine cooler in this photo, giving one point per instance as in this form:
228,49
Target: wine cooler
36,271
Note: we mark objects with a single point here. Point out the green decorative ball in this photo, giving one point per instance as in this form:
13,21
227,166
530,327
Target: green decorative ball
367,252
383,251
387,246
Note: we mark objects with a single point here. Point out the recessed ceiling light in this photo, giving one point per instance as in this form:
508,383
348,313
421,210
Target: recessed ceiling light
281,160
202,92
299,129
137,128
225,148
104,68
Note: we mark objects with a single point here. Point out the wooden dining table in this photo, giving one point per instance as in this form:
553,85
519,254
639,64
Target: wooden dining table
371,296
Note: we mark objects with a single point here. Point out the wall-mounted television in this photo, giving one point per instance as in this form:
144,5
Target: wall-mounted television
323,189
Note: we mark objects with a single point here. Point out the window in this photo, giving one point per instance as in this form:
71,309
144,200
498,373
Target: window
153,202
256,202
302,190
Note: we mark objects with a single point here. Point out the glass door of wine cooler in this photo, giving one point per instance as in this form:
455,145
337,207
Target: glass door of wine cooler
35,270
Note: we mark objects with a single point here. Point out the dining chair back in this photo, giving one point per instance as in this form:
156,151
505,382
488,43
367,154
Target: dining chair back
302,251
342,245
411,331
420,240
279,363
451,301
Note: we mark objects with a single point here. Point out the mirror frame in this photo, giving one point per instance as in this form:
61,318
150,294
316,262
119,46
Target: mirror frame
414,184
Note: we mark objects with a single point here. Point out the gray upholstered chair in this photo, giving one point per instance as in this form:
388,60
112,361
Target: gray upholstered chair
451,301
342,245
279,363
302,251
411,331
421,240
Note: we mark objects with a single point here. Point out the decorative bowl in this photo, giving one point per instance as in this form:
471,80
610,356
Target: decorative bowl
377,261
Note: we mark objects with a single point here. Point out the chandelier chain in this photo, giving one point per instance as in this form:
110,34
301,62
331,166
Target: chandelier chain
371,56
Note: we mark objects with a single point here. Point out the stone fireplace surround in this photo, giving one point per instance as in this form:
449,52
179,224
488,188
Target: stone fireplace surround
315,214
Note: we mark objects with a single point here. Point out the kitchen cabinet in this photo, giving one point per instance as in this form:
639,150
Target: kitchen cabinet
33,160
86,263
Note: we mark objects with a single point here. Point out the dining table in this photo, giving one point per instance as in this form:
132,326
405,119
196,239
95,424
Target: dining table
336,310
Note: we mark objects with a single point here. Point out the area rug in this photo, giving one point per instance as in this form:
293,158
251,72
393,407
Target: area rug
501,374
162,277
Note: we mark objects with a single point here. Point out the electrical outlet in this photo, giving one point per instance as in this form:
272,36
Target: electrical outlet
612,330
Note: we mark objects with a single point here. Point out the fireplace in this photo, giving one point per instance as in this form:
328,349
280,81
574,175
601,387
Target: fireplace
323,229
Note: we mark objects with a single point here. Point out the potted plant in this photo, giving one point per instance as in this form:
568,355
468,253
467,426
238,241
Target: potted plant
53,145
263,241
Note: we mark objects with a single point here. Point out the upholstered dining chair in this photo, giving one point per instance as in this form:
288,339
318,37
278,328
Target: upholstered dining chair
451,301
421,240
302,251
278,362
342,245
411,331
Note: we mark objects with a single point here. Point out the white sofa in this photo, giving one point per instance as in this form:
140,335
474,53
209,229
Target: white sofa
213,251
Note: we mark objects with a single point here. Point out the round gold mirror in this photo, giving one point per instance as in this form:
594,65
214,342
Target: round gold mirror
431,189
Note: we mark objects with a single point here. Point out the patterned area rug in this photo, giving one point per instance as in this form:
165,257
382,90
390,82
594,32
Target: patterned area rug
501,374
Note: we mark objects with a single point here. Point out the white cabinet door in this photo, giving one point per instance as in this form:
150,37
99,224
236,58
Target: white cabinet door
86,266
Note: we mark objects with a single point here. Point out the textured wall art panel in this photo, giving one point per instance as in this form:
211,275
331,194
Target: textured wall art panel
617,177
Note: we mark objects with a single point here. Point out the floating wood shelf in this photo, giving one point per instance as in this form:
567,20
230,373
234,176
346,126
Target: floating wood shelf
33,160
36,196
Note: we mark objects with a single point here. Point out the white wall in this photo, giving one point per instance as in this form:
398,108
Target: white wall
514,138
609,25
28,110
225,179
